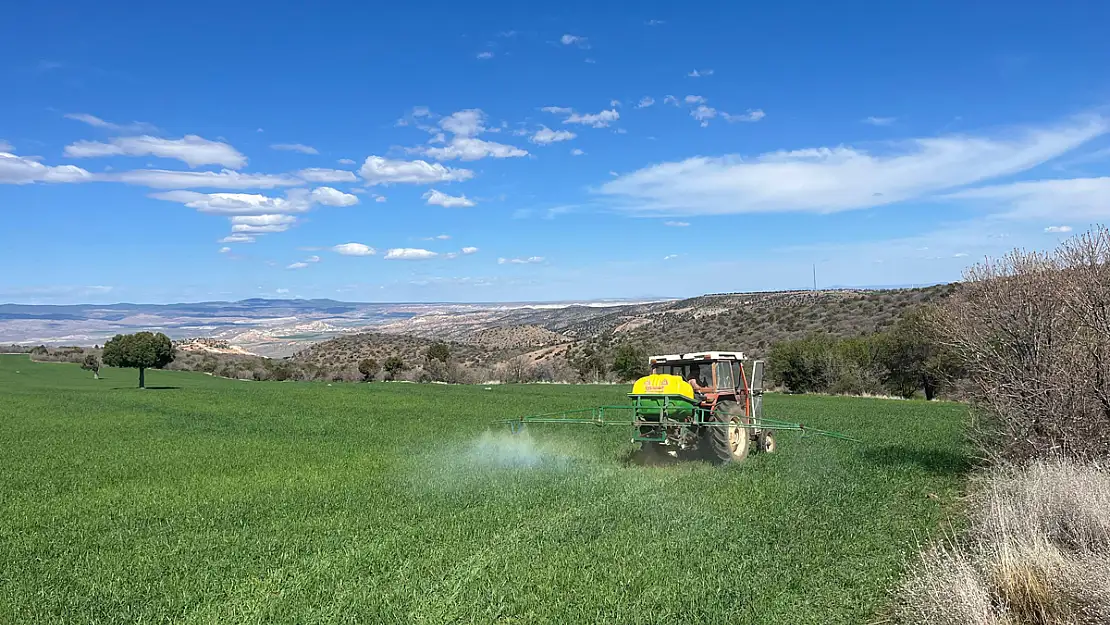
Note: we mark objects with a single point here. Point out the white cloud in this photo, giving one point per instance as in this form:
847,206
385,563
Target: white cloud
249,229
297,266
699,74
464,123
346,161
378,170
380,198
576,152
469,250
569,40
485,55
880,121
654,22
1077,198
263,220
97,122
645,102
1057,229
19,170
531,260
438,198
750,116
596,120
694,99
845,178
614,103
317,174
472,149
295,147
676,224
545,136
670,256
328,196
670,99
354,249
225,250
312,259
281,291
703,114
225,179
6,147
442,237
409,253
236,203
190,149
237,238
960,255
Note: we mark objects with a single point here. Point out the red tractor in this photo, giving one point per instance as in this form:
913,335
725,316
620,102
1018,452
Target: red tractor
729,401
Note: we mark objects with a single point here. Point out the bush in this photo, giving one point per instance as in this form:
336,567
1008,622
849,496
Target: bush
630,362
393,366
438,351
1033,333
436,370
369,368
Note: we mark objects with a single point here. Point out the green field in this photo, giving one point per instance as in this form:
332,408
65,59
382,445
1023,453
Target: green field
204,500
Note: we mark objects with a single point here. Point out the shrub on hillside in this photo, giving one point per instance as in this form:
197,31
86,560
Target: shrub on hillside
629,362
393,366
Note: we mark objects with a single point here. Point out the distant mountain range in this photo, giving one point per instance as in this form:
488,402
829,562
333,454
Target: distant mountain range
282,327
272,327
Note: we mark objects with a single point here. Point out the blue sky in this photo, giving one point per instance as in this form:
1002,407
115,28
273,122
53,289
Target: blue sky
509,151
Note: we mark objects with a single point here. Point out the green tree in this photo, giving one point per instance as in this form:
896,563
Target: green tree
92,363
438,351
394,365
629,362
914,359
368,367
142,351
589,361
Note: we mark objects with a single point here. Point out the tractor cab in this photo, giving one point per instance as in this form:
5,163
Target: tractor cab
714,376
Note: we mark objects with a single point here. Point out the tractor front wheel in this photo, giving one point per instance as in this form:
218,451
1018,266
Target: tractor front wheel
767,442
729,439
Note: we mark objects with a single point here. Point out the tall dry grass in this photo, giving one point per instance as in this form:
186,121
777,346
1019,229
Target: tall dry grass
1036,552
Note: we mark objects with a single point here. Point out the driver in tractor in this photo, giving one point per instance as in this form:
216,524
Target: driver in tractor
698,382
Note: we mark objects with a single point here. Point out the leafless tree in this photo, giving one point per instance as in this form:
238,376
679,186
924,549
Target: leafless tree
1033,331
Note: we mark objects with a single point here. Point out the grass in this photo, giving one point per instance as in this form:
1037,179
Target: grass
218,501
1035,552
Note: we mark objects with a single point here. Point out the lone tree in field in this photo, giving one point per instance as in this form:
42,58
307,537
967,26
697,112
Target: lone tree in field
92,363
369,368
142,350
438,351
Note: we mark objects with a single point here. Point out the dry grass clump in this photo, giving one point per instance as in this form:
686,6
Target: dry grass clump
1037,552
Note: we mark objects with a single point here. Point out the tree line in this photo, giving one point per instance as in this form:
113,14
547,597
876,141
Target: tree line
904,361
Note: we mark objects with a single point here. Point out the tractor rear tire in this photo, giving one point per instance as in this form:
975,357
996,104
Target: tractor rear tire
729,441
